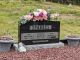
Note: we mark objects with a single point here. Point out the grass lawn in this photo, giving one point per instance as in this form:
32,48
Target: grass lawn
10,13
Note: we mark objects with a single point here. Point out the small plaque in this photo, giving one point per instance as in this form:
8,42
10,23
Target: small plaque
39,32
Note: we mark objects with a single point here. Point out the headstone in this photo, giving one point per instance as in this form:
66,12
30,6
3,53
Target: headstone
35,35
39,32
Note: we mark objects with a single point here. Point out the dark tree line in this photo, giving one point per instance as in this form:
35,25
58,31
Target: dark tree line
66,1
59,1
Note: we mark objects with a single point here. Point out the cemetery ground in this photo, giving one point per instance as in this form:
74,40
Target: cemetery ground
62,53
10,13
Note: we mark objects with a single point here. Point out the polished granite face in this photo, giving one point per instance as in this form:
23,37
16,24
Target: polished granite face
39,32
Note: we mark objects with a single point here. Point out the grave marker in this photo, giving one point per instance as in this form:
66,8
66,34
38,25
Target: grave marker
39,32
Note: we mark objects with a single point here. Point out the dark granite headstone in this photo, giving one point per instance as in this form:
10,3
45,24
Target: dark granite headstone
39,32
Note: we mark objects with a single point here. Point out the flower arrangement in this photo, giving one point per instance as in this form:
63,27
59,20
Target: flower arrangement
38,15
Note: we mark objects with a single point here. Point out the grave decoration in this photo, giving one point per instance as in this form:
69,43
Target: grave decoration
38,15
5,42
36,28
73,40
